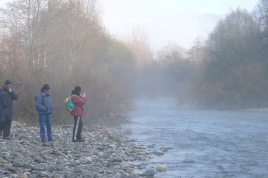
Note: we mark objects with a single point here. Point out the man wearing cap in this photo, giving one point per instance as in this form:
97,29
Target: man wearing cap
6,100
45,109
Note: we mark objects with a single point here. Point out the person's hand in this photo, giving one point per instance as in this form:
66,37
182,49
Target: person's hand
83,95
9,89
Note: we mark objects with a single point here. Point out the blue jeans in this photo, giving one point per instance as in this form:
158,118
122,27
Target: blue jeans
45,120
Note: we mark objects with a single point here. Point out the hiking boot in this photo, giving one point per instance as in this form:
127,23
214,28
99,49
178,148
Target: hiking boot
51,142
48,143
45,144
79,140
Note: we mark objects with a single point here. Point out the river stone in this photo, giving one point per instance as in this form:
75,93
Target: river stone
105,153
11,169
148,173
3,161
158,153
161,167
23,175
128,170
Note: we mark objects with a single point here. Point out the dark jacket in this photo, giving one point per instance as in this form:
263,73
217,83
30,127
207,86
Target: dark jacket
44,104
2,117
6,101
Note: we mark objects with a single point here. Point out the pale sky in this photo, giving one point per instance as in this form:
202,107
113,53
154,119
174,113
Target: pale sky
177,21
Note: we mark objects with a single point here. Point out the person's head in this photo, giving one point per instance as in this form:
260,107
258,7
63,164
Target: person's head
77,90
8,84
45,88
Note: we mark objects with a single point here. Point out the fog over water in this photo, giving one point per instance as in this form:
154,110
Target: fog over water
203,143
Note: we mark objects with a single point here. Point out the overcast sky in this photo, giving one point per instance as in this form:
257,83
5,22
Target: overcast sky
164,21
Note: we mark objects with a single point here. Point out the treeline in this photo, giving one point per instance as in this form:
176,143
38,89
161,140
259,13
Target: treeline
228,70
62,43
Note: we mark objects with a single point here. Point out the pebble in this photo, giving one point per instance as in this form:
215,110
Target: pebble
105,153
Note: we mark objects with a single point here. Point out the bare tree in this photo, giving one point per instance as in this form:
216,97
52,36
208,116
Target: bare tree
261,15
139,45
60,42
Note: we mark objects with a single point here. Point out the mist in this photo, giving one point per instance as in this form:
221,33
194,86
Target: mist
225,71
66,45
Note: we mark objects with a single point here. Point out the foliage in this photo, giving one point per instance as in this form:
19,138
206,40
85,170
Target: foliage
232,74
261,16
226,71
62,43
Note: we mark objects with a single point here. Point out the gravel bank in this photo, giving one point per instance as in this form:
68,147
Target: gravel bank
105,153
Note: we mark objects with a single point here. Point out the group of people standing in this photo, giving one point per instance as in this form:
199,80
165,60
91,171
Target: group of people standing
45,108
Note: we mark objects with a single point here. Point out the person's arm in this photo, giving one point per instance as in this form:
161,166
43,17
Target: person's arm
51,106
14,95
79,101
1,99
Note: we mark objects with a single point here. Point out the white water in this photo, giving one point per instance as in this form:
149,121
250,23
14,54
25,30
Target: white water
204,143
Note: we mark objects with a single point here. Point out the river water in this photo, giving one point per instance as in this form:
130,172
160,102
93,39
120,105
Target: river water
202,143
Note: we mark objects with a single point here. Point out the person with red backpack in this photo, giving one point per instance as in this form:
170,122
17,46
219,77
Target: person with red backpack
79,100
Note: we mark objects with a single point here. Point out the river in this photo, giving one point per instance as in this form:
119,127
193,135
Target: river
202,143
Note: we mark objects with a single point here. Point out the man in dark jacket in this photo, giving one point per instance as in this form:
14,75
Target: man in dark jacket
2,117
6,100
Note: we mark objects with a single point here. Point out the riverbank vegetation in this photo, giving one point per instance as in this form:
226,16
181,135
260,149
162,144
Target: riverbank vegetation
63,43
228,70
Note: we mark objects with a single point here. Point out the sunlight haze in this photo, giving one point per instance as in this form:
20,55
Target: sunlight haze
176,21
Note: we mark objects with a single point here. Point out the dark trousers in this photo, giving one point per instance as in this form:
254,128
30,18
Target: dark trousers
7,125
78,125
2,125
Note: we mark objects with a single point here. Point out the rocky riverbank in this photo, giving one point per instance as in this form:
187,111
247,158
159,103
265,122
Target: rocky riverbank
105,153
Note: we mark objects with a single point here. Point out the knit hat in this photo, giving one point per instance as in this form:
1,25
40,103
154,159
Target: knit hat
45,87
77,89
8,82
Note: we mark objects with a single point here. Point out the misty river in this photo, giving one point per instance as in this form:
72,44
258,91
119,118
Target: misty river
202,143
